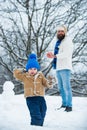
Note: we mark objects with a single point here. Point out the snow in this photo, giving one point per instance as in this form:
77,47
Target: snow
14,114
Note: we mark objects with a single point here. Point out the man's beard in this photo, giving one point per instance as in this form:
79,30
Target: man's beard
61,37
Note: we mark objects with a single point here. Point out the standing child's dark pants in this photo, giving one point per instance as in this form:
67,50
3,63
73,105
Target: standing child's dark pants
37,107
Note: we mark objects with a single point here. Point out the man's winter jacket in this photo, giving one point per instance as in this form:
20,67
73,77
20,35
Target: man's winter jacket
64,57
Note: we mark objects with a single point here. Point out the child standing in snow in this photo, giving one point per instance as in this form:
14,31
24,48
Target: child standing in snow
34,89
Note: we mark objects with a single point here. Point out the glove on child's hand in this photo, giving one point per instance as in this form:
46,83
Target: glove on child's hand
51,80
24,71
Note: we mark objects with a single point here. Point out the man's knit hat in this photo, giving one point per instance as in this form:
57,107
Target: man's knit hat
32,62
62,27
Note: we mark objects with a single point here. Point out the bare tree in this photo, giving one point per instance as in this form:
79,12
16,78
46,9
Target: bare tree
30,25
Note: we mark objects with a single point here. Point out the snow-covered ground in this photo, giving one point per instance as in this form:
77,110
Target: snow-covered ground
14,113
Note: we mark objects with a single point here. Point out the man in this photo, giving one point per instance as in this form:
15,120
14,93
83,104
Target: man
62,62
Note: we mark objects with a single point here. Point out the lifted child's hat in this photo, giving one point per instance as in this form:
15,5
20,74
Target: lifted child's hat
32,62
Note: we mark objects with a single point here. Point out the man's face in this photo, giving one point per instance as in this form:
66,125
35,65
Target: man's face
32,71
60,34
